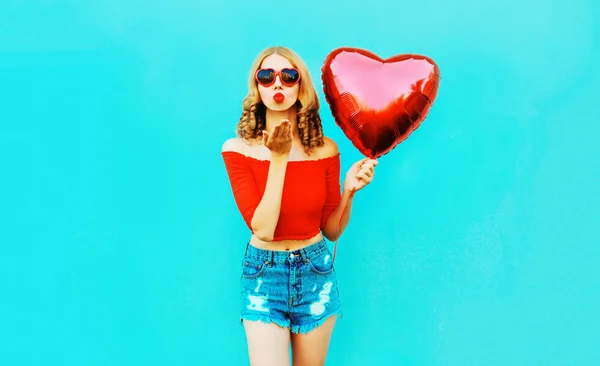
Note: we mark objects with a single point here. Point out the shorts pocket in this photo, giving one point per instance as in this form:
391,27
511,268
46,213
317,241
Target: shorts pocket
252,267
322,263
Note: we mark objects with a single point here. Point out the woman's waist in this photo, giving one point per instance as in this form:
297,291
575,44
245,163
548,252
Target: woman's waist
285,244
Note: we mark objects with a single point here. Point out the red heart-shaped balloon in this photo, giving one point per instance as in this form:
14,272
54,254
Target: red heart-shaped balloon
378,103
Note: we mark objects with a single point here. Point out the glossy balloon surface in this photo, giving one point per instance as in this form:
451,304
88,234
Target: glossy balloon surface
378,103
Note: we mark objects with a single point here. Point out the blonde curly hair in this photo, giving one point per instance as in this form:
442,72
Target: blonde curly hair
252,121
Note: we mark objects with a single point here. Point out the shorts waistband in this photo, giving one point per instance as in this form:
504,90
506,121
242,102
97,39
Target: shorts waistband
280,256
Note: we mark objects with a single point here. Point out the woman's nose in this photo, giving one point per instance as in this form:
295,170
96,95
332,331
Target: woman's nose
277,83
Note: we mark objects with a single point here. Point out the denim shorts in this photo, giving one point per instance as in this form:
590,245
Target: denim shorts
293,289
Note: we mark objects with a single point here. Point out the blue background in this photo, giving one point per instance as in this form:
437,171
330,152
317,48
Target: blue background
476,244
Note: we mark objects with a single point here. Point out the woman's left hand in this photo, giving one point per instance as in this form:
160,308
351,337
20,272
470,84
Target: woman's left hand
360,174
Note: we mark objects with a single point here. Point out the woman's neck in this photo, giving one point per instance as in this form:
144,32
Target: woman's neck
272,118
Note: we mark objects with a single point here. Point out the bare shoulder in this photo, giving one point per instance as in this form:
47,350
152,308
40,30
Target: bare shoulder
328,149
249,148
234,144
237,144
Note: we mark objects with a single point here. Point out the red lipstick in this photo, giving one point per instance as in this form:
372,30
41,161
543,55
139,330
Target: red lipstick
279,97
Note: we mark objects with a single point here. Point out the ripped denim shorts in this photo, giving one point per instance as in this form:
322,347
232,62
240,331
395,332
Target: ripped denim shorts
293,289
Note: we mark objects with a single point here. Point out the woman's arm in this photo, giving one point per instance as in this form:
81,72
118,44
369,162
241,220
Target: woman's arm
266,215
359,175
261,214
334,228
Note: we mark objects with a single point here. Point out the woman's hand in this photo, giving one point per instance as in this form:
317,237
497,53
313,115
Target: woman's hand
360,174
279,140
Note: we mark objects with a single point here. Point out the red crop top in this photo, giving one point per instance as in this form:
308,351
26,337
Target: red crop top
311,191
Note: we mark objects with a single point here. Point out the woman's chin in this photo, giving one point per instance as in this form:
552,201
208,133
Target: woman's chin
278,107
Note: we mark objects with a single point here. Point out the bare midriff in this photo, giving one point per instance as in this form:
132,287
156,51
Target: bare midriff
284,245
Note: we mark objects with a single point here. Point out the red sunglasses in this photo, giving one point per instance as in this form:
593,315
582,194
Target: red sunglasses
288,76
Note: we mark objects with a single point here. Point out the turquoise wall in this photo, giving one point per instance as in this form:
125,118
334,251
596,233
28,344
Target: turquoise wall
120,240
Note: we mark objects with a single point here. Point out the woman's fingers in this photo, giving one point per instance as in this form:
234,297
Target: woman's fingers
287,130
276,131
367,172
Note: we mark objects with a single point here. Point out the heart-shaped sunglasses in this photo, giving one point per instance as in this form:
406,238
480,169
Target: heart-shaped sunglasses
288,76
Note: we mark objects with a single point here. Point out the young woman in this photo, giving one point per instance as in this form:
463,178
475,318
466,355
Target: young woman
285,178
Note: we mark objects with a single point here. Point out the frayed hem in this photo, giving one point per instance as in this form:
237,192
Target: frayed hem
305,328
264,319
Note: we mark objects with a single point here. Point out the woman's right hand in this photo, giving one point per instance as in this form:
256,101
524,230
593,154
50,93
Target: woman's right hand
279,140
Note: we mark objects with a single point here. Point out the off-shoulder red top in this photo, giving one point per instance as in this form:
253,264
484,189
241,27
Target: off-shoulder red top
311,191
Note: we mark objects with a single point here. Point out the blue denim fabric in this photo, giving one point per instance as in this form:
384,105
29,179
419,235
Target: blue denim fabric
293,289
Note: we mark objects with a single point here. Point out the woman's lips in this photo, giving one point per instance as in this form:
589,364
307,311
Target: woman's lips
279,97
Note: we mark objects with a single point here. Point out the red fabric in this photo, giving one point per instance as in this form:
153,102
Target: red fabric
311,191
